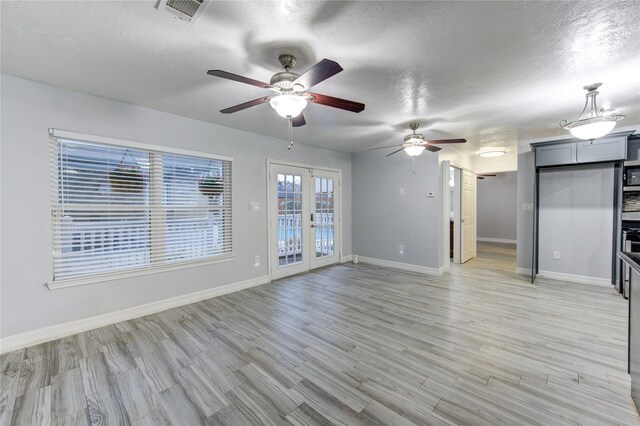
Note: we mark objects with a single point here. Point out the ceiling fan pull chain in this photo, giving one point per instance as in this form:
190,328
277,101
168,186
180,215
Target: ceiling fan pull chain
413,165
290,133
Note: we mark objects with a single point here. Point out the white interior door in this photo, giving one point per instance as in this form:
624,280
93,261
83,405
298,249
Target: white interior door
468,214
304,219
325,225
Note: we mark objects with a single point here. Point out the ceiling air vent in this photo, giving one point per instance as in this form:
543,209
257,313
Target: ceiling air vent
187,10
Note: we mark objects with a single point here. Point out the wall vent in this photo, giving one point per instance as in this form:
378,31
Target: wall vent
187,10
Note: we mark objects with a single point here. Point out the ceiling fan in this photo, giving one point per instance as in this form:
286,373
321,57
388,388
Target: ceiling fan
415,143
291,90
481,177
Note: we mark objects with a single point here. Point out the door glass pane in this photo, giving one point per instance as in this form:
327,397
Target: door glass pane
324,216
290,243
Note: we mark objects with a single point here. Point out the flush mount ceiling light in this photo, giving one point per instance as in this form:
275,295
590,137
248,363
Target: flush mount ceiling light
592,122
492,152
288,106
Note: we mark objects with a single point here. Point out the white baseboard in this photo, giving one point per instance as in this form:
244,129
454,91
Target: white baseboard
30,338
496,240
403,266
580,279
347,258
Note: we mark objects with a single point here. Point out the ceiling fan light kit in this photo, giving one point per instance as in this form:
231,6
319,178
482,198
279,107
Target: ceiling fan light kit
414,150
592,122
492,152
288,106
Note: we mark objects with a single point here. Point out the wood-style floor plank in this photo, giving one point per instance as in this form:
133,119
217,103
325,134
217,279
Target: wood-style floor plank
346,344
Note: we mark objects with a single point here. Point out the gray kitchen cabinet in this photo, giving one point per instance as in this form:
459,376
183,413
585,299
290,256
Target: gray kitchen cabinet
552,155
613,147
610,149
634,335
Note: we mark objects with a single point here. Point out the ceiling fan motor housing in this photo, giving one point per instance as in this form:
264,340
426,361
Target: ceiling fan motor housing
414,138
284,80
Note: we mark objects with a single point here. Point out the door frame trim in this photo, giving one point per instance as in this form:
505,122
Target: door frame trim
270,206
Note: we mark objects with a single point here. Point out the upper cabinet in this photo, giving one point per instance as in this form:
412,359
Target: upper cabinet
551,155
613,147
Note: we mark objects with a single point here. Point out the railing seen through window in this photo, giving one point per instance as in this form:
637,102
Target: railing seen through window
118,208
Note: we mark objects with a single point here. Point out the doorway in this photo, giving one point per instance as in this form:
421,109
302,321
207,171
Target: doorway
461,207
304,218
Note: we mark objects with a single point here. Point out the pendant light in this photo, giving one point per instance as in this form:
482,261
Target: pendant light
592,123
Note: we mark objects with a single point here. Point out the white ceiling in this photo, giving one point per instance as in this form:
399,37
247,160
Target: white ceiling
490,72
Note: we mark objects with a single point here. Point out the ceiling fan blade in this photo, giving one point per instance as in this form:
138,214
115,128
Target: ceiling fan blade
432,148
317,73
484,176
336,102
479,177
438,141
384,147
245,105
238,78
298,121
394,152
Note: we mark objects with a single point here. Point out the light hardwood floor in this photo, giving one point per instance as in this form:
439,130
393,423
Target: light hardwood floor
346,344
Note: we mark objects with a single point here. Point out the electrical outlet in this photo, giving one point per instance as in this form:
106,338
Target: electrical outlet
556,255
527,206
256,261
401,249
254,206
401,191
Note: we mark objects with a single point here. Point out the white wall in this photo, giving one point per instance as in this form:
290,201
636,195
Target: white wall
504,163
497,207
28,109
576,219
383,219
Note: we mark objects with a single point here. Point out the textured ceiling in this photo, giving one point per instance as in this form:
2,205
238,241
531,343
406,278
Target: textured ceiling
491,72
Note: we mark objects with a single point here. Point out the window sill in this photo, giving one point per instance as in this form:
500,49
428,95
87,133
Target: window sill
93,279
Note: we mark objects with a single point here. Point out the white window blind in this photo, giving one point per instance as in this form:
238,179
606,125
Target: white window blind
118,208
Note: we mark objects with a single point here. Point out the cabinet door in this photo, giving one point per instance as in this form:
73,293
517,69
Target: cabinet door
552,155
602,150
634,335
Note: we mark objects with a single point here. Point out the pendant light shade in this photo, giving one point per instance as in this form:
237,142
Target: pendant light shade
592,123
288,106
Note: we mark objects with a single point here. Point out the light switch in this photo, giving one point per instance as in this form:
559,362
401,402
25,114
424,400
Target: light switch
254,206
401,191
527,206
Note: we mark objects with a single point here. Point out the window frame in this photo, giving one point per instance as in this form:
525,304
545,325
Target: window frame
159,267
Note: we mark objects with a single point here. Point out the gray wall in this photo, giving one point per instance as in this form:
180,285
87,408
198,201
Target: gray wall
383,219
576,219
29,109
497,207
525,184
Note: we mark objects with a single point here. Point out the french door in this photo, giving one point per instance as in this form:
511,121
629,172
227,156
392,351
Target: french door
304,219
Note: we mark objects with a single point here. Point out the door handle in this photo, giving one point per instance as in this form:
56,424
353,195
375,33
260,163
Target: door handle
313,225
